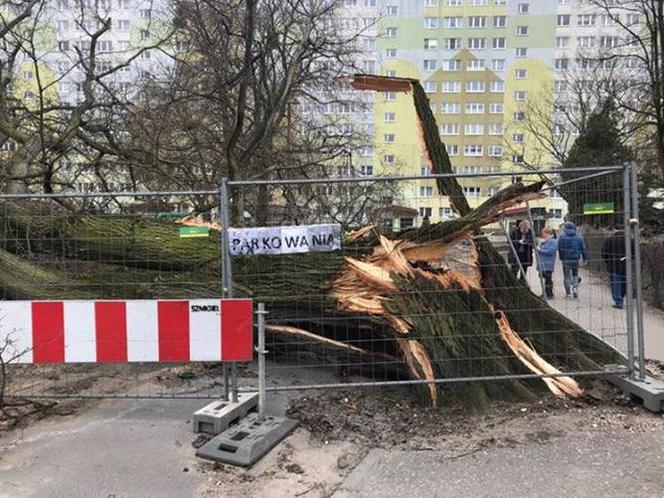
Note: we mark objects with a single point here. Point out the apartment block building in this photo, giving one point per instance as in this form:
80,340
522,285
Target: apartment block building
481,62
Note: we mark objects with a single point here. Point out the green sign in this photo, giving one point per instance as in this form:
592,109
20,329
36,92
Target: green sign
188,232
598,208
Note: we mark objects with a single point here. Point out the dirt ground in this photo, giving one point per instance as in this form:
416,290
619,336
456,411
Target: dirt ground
339,427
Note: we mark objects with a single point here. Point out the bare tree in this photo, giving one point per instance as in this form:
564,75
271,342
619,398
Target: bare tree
642,24
255,94
44,132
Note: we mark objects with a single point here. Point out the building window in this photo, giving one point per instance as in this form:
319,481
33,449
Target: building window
497,86
389,159
476,43
63,25
476,22
63,46
499,43
563,20
472,191
430,43
496,108
475,65
495,129
522,52
609,41
586,20
585,41
389,96
517,138
449,129
451,65
392,10
474,86
366,170
496,150
517,159
522,31
430,86
122,25
450,107
453,22
390,32
431,23
426,191
473,129
561,64
390,117
520,74
390,53
452,150
452,43
523,8
473,150
450,86
446,213
425,212
562,41
519,95
474,108
425,170
429,65
499,21
389,138
498,64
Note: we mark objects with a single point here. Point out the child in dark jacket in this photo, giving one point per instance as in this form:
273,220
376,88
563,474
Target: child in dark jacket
571,249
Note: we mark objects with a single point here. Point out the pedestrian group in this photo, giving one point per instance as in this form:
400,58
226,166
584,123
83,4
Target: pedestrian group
571,249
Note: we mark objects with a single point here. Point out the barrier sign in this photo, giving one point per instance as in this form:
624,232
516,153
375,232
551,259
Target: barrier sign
598,208
128,331
284,240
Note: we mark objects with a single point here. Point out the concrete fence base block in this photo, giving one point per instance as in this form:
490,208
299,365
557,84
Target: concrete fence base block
219,415
247,441
650,390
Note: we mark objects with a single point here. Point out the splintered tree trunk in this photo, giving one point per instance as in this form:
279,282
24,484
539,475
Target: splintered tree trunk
440,294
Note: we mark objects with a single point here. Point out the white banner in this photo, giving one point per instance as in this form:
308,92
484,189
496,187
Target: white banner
284,240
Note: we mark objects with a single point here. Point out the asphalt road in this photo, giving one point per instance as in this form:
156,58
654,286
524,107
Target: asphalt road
603,464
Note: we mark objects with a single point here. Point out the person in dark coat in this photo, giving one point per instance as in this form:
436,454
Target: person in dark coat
613,254
571,249
522,240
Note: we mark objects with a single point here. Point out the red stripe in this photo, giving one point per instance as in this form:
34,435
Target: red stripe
237,341
48,332
111,331
173,330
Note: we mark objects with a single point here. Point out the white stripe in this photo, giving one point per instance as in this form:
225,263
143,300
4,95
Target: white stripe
16,330
205,330
142,331
80,337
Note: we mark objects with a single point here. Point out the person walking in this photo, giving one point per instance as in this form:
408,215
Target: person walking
546,251
571,249
613,254
522,240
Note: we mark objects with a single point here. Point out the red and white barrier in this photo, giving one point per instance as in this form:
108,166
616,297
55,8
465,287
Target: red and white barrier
128,331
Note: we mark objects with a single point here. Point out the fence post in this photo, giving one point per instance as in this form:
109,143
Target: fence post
226,277
629,313
261,358
636,230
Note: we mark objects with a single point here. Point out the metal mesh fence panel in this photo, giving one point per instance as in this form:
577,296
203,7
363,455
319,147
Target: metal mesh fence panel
115,246
323,330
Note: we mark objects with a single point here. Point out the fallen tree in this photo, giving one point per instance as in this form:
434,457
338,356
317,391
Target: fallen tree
440,296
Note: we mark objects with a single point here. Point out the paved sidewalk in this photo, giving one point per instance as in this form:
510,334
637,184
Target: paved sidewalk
593,311
589,465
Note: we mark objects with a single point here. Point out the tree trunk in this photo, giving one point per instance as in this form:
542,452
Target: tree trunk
440,297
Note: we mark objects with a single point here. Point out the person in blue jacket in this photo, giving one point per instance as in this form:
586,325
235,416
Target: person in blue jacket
571,249
546,251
